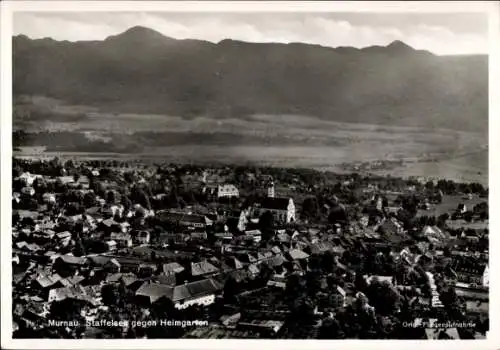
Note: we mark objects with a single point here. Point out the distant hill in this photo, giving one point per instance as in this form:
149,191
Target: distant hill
143,71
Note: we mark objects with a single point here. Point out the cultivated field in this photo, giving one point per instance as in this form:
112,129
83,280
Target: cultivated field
279,140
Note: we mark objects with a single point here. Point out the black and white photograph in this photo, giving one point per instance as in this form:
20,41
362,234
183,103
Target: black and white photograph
247,174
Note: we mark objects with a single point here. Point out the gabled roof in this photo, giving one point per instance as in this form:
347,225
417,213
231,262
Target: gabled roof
253,268
169,280
114,278
181,292
71,281
73,260
202,268
47,281
234,263
297,254
320,247
98,260
109,222
73,292
129,279
172,267
155,291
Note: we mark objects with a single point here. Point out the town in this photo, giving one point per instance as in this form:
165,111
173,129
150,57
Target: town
112,249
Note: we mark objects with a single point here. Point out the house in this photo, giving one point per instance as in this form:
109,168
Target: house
201,292
68,265
47,282
146,269
255,234
110,225
461,208
266,326
477,307
297,254
76,292
172,268
28,178
29,191
203,268
128,264
470,270
471,292
123,240
441,333
66,180
83,181
49,198
230,321
112,245
390,227
243,220
64,237
112,266
253,270
340,296
227,191
198,235
143,237
186,219
277,280
283,209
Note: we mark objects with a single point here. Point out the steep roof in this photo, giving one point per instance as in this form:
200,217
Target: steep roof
172,267
181,292
202,268
73,260
297,254
47,281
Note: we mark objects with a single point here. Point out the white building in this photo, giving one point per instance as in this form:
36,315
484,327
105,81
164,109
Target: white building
283,209
228,191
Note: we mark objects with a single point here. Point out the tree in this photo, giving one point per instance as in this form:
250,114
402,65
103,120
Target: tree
337,215
331,329
111,197
310,208
79,249
360,282
89,199
109,294
230,289
266,225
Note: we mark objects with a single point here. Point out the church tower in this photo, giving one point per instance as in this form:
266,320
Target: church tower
270,190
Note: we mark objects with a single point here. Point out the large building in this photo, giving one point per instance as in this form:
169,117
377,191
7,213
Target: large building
227,190
283,209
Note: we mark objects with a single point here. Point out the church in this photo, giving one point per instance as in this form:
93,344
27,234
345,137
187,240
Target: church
283,209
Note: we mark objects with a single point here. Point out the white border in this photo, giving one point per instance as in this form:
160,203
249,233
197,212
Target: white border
9,7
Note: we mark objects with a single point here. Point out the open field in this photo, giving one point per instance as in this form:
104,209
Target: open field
277,140
449,205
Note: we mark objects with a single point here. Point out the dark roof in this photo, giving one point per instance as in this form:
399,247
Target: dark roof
181,292
183,217
169,280
172,268
99,260
275,203
73,260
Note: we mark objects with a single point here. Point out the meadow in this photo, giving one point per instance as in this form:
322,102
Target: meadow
276,140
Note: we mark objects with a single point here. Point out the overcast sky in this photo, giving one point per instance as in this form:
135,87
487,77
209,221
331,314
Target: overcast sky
441,33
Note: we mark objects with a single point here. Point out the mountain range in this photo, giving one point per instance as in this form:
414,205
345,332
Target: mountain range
143,71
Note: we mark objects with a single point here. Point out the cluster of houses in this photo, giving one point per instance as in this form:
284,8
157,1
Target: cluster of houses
187,258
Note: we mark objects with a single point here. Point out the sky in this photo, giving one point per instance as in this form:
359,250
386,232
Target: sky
440,33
